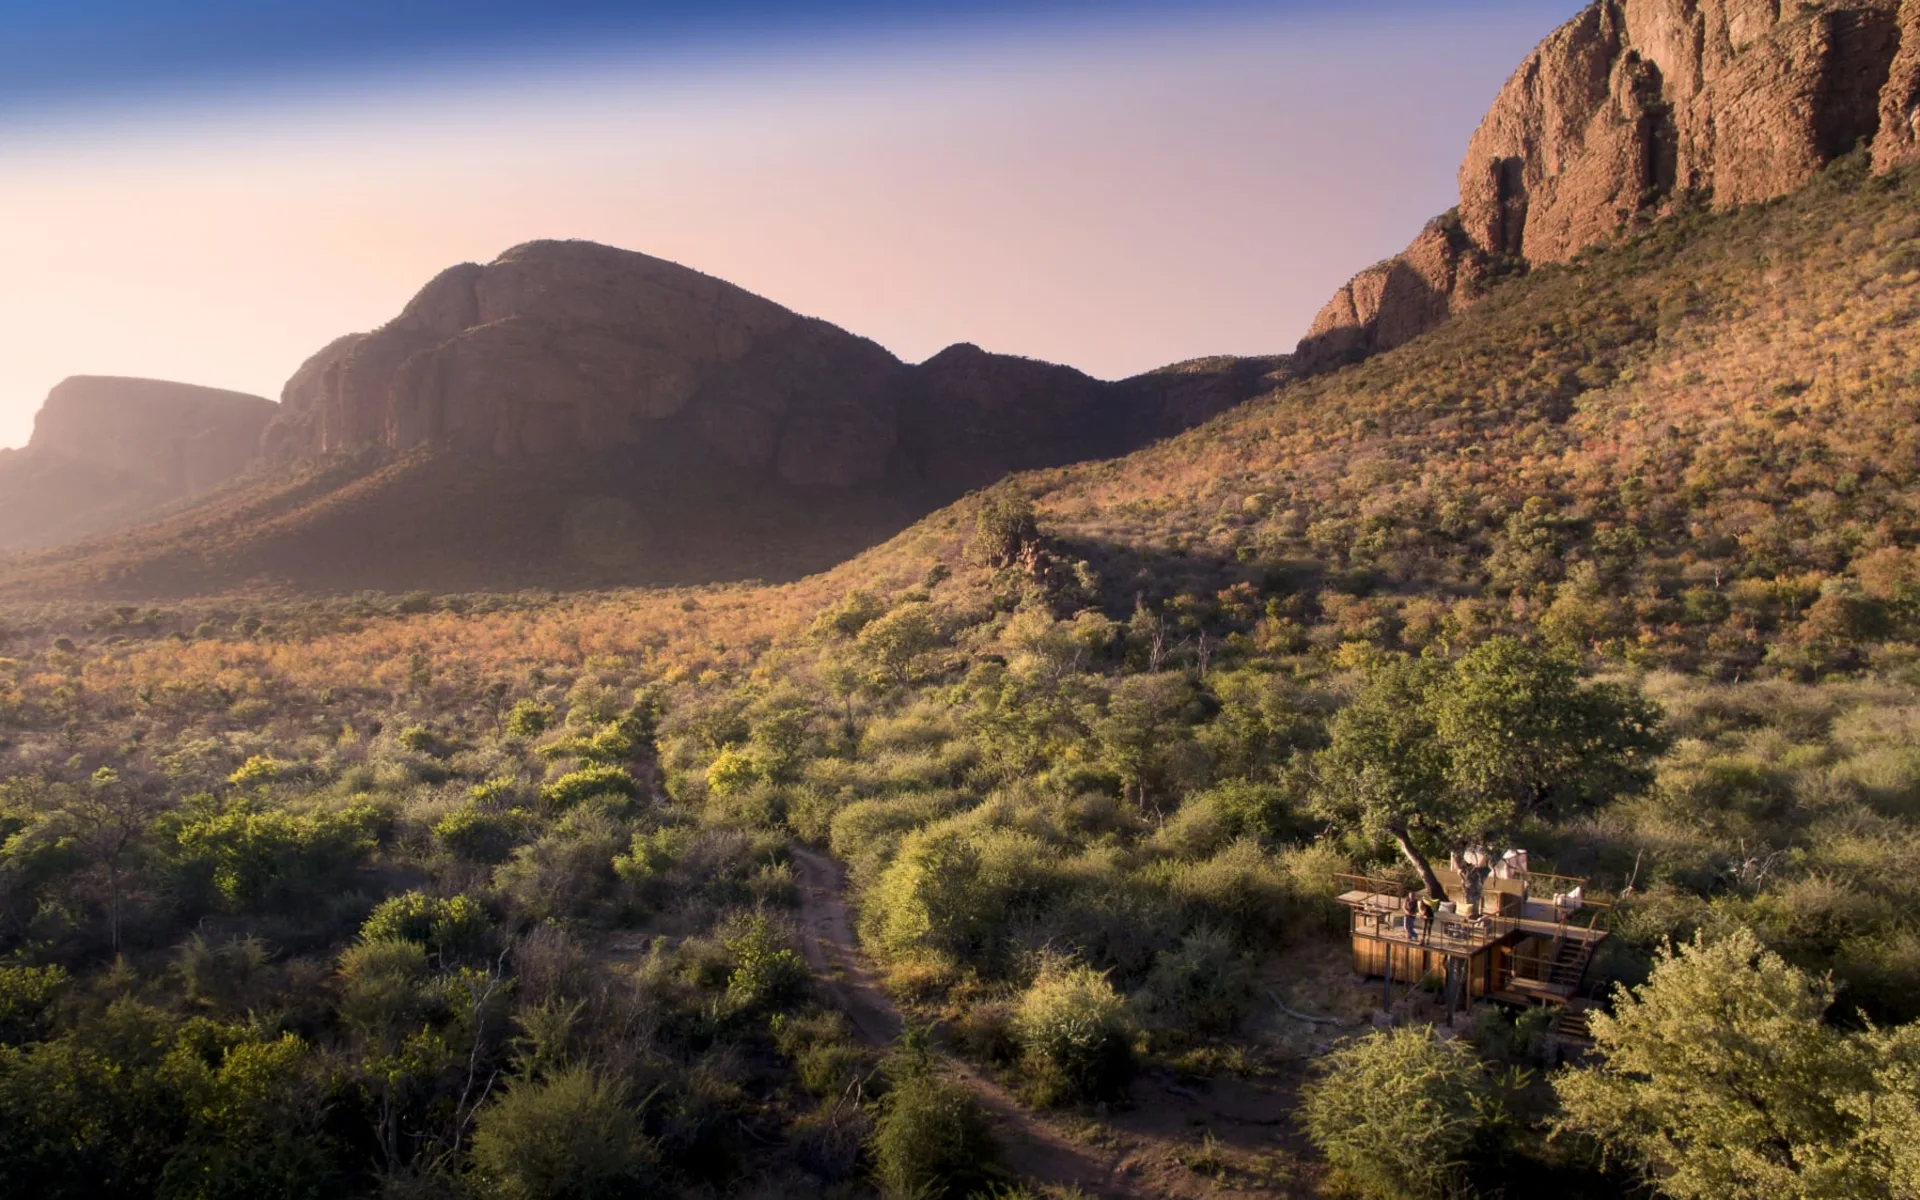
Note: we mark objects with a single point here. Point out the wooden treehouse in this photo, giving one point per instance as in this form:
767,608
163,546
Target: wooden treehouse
1529,941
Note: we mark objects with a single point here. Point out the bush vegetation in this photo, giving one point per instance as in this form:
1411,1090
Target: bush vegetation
489,893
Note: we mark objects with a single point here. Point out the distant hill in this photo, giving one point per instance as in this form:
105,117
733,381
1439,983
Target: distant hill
575,415
107,452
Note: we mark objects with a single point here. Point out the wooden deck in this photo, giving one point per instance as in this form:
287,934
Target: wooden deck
1457,934
1534,953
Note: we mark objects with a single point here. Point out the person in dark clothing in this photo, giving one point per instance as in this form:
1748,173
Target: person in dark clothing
1411,908
1428,907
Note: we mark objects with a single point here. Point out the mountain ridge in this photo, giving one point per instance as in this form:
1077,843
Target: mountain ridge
577,415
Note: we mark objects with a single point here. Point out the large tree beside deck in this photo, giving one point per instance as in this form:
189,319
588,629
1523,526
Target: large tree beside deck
1434,757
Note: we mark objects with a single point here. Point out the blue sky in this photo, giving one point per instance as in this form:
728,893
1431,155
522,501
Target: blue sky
66,52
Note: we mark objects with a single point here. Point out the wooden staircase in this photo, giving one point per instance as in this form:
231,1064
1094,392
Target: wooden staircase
1569,964
1557,977
1570,1022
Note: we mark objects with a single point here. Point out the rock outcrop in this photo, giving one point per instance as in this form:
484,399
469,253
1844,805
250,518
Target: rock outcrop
106,452
1397,300
1630,109
181,438
1897,141
558,348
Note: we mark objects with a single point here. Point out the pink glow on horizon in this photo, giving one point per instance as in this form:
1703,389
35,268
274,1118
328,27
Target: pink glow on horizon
1115,206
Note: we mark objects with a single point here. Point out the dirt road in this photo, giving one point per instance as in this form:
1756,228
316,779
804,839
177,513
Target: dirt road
1174,1142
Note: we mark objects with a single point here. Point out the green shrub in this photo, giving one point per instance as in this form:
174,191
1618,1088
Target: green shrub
1203,984
257,770
1071,1026
452,927
586,783
495,793
384,992
1398,1113
651,854
767,973
529,719
571,1136
421,739
732,771
932,1140
476,835
1720,1076
822,1052
229,972
1259,809
272,858
567,869
1241,889
26,1001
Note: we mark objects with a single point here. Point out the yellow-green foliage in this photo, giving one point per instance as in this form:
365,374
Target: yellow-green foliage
270,857
477,834
259,769
1399,1113
26,996
956,891
450,927
1720,1077
931,1139
585,784
1071,1025
571,1134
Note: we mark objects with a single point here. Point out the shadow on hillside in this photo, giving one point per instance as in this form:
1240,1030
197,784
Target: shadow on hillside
1131,573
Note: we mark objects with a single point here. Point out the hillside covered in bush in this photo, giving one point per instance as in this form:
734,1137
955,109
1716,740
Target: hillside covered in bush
508,895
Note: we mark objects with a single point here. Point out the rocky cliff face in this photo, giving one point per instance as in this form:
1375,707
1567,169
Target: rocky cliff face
1634,107
563,347
105,451
182,438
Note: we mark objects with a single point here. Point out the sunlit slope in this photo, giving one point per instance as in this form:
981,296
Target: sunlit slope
1725,403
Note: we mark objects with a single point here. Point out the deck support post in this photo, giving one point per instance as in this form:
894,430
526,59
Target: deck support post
1386,990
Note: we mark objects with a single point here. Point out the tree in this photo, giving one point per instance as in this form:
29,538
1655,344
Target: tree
114,817
1889,1110
1384,770
1437,758
892,643
1719,1078
1003,527
845,681
1400,1112
1522,735
1145,732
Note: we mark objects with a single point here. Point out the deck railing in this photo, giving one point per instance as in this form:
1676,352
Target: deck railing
1592,916
1377,884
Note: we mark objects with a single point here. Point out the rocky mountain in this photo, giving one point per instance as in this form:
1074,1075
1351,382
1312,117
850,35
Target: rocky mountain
1633,109
106,451
562,348
571,414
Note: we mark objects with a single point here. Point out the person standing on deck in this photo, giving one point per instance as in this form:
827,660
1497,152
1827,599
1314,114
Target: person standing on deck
1411,907
1428,906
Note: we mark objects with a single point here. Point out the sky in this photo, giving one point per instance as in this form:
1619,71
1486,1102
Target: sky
212,190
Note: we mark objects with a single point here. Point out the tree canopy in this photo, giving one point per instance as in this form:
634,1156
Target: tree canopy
1437,756
1719,1078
